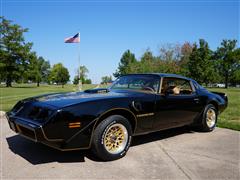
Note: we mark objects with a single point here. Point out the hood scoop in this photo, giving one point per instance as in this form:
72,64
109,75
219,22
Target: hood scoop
97,91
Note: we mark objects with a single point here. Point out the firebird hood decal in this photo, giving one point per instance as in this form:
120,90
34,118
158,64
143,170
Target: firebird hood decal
76,95
65,99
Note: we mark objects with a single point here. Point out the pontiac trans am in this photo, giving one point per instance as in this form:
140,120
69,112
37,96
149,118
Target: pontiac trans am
106,119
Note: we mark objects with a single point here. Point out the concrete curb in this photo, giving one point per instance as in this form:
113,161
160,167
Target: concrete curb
2,113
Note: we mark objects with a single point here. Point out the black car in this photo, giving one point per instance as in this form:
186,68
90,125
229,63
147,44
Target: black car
106,119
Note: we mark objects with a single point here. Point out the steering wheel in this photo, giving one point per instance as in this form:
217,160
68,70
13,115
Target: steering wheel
148,88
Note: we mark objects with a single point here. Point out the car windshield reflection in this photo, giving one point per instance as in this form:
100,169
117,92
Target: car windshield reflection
137,82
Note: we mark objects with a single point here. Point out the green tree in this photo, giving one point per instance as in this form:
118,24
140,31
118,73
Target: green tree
88,81
235,78
85,81
76,80
83,75
59,74
106,79
228,56
14,51
200,65
186,50
126,62
147,63
39,69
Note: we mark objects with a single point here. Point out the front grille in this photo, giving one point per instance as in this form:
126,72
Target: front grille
26,132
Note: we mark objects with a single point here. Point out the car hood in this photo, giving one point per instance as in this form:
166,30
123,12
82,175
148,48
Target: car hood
66,99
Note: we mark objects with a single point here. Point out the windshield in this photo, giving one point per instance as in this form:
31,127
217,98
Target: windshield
198,86
137,82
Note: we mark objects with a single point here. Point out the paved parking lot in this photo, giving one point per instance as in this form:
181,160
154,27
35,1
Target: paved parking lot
171,154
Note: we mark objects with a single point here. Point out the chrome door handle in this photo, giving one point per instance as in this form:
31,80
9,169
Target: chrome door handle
196,100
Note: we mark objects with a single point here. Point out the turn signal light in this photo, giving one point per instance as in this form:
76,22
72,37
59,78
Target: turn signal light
74,125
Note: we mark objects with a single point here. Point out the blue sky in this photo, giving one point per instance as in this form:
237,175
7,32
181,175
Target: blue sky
108,28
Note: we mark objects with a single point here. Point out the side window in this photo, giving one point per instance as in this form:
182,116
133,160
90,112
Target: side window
176,86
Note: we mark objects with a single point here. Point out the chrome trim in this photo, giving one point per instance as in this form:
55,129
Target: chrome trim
147,114
160,88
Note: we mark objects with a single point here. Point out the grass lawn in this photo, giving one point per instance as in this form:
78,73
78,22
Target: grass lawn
9,96
230,118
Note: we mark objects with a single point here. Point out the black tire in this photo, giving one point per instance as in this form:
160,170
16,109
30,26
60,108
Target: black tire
204,125
99,147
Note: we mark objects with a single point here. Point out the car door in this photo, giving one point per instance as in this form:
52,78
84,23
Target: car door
144,103
144,108
177,103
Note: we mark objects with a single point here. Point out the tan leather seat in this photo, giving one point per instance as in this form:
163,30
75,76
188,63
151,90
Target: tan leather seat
176,90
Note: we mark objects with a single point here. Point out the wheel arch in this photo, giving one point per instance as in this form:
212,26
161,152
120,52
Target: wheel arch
129,115
214,103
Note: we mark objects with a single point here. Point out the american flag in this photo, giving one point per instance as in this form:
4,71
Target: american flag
74,39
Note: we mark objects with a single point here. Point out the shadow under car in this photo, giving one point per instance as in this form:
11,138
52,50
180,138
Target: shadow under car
37,153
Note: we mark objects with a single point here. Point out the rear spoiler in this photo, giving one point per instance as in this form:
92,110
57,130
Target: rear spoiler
223,95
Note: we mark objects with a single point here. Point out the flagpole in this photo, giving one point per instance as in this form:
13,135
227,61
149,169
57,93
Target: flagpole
79,76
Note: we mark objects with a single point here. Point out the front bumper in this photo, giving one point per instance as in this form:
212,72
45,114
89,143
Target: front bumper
26,128
35,131
32,131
